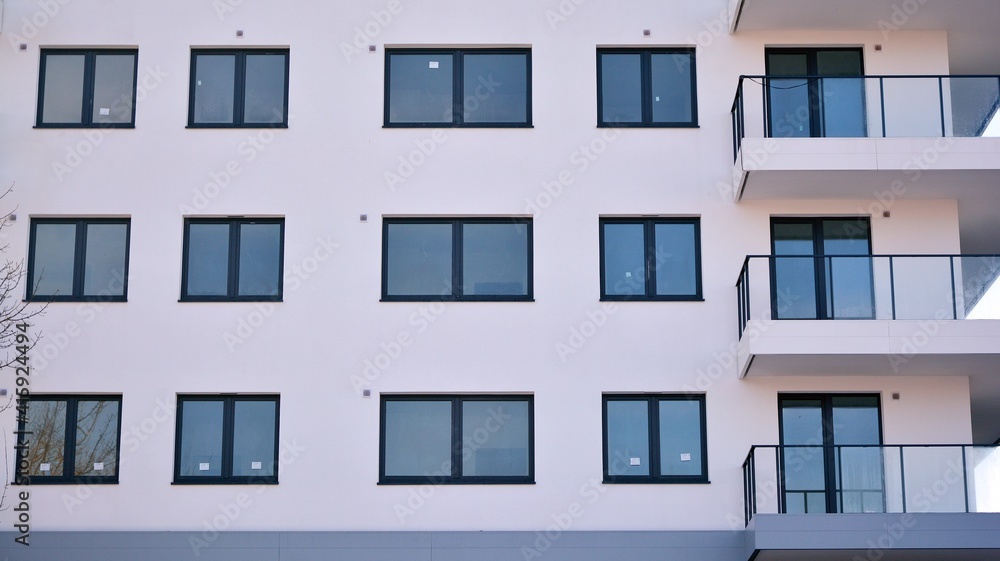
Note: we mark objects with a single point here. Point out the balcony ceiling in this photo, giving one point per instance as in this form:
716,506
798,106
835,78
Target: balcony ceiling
973,26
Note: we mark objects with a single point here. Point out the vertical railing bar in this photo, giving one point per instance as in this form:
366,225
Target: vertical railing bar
944,133
881,93
892,286
839,489
965,479
954,295
781,479
902,476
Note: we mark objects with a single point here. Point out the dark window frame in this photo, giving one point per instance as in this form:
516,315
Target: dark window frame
653,417
233,280
649,240
456,477
647,88
79,261
457,294
817,121
228,435
239,88
89,65
69,450
458,94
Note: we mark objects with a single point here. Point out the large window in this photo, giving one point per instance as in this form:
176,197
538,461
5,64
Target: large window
655,439
457,439
646,88
78,259
650,259
68,439
233,259
87,88
456,259
245,88
226,439
455,88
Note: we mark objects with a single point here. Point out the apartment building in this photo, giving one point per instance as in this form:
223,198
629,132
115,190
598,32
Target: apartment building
566,279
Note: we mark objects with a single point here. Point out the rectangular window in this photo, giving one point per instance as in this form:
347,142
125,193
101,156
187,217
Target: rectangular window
233,259
68,439
226,439
449,439
650,259
646,88
239,88
78,259
456,259
655,439
458,88
87,88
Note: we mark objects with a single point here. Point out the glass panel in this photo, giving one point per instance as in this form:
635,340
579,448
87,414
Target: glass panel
795,277
208,260
495,88
788,99
253,438
420,88
114,88
96,438
260,259
495,438
859,471
680,437
624,259
62,101
264,96
201,438
46,438
104,271
672,80
842,99
912,107
214,91
849,289
621,88
419,259
974,104
495,259
417,438
54,257
628,437
676,260
803,467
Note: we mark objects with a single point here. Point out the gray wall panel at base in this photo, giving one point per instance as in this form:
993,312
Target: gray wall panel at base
375,546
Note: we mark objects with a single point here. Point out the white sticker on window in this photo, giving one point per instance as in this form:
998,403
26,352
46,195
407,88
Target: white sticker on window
628,274
104,111
98,466
203,466
634,461
255,465
685,457
45,467
434,64
657,98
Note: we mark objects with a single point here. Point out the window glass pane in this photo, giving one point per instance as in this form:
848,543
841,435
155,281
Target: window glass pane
96,438
495,438
680,437
628,437
46,428
417,438
104,274
420,88
260,259
495,259
215,79
208,260
676,260
201,438
671,80
264,100
62,101
114,86
496,88
55,251
419,259
621,88
624,259
253,438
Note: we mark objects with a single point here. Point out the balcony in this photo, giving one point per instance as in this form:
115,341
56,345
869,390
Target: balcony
849,502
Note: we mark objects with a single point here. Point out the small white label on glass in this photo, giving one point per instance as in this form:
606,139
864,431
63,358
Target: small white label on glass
685,457
98,466
657,98
255,465
203,466
45,467
634,461
433,64
104,111
628,274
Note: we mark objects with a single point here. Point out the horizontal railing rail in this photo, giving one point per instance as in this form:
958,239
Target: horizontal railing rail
811,478
906,105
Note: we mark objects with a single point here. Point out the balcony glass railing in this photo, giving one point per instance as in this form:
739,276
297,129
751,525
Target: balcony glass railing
838,287
807,479
865,106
